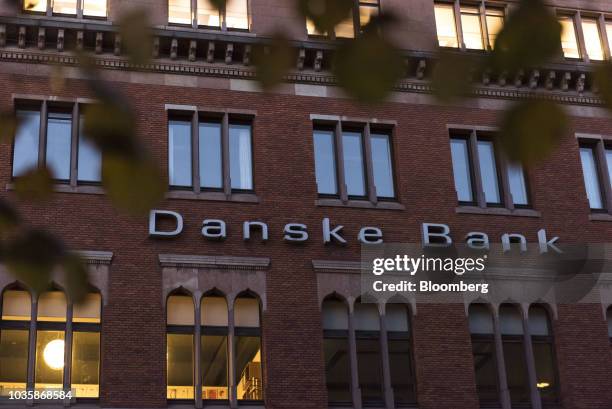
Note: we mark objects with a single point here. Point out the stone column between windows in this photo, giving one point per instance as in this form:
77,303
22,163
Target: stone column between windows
355,390
68,351
225,147
473,151
197,347
458,27
536,402
79,7
32,347
233,399
384,350
504,393
74,144
367,153
342,189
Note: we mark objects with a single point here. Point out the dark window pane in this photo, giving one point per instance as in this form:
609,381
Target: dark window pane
211,174
59,128
337,369
214,367
488,171
90,158
179,153
180,366
545,371
325,162
248,368
516,371
370,371
609,159
50,348
382,165
13,360
591,178
461,170
518,186
485,370
86,364
25,155
400,365
353,163
241,167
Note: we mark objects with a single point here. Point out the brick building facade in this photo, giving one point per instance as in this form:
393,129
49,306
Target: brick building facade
201,76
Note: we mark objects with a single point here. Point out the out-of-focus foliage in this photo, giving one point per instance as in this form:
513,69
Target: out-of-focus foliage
326,14
273,60
450,79
136,36
603,82
9,218
531,129
218,4
35,185
8,126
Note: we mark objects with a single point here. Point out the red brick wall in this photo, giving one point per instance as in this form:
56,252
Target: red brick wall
133,366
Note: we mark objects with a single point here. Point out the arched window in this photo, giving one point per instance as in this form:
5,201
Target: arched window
214,347
483,350
369,357
543,354
511,325
247,347
50,340
14,336
400,354
179,346
85,373
336,351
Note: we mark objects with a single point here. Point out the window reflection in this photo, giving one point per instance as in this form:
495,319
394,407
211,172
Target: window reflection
89,162
445,25
59,130
179,153
180,366
352,149
208,15
488,171
94,8
64,6
461,170
471,28
86,364
211,170
568,38
592,39
248,368
240,157
516,181
214,348
591,177
236,14
541,336
25,151
382,165
346,28
495,23
179,11
325,162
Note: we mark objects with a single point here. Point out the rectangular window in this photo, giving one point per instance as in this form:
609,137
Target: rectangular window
14,358
240,157
569,43
64,6
89,159
368,9
495,22
180,366
86,364
49,370
94,8
211,152
179,11
337,369
86,8
59,130
369,369
214,367
208,15
179,153
39,6
592,39
591,177
485,369
25,150
471,28
477,171
446,27
235,15
353,163
249,384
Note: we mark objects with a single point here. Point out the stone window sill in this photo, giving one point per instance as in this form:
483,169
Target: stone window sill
214,196
600,217
362,204
498,211
80,189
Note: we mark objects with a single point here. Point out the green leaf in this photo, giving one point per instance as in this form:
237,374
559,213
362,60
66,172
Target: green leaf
9,123
451,77
603,82
531,129
112,128
9,217
136,36
33,256
531,36
35,185
76,277
368,67
273,60
135,185
326,14
218,4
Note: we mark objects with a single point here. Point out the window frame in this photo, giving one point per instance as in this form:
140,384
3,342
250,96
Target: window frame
602,19
473,135
222,19
44,107
225,119
366,129
80,14
599,147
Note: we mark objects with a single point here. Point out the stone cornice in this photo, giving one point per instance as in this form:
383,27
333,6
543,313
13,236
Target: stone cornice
95,257
224,262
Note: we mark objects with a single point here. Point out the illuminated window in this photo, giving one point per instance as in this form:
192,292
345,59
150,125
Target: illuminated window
235,15
14,337
179,353
592,39
247,336
483,351
88,8
214,349
365,11
569,44
596,158
609,34
85,374
543,354
445,25
495,22
471,28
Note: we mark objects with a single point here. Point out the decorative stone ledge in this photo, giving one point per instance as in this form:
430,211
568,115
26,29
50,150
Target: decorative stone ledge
96,257
337,266
225,262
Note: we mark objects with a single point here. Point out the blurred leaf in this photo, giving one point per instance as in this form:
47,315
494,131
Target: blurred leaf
531,129
531,36
603,82
368,67
32,257
57,80
136,36
135,185
28,4
36,184
112,128
218,4
451,77
76,277
9,217
8,126
326,14
273,60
